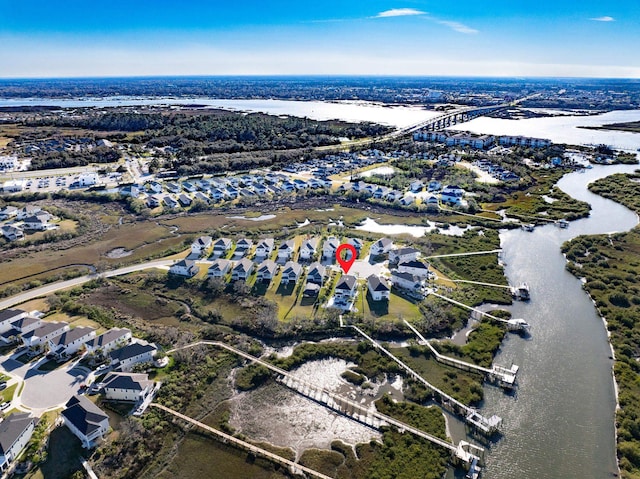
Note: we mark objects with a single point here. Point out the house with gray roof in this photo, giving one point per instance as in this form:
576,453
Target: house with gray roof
109,340
85,420
15,433
125,358
71,341
119,386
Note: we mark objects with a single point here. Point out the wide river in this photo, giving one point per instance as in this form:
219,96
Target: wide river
560,425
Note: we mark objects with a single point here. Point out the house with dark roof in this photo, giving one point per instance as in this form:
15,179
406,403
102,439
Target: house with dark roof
15,433
346,289
266,271
8,316
406,280
12,233
414,267
71,341
85,420
403,254
109,340
185,267
120,386
37,338
379,287
125,358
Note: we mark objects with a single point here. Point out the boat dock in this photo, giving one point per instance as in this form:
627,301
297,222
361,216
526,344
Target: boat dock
487,426
518,325
503,377
464,453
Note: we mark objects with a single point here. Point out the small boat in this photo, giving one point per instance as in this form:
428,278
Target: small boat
562,223
528,227
518,324
521,292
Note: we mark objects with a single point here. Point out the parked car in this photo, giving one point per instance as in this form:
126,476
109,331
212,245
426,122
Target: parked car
4,405
3,385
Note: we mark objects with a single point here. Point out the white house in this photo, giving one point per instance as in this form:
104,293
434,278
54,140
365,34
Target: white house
126,386
8,212
379,287
452,194
85,420
15,433
285,250
125,358
242,269
291,272
109,340
266,270
330,247
202,245
405,280
38,222
403,254
26,324
221,246
346,289
309,248
219,268
414,267
380,247
243,246
28,211
8,316
265,247
43,333
416,186
357,243
87,179
185,267
316,273
71,341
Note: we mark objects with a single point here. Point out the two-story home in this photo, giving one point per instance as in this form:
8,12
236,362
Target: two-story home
414,267
346,289
357,243
265,247
38,222
309,248
399,255
8,316
15,433
12,233
316,273
120,386
108,341
8,212
291,272
221,246
69,342
380,247
37,338
185,267
244,246
285,250
27,211
452,194
406,281
85,420
201,246
169,202
219,268
266,271
242,269
125,358
330,247
19,327
416,186
379,288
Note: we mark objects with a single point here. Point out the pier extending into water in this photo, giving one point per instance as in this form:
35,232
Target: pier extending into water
487,426
464,453
499,375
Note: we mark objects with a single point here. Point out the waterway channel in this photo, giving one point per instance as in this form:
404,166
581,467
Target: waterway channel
560,424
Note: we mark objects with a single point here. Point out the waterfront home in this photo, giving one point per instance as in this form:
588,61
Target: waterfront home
286,249
452,194
15,432
316,273
201,246
414,267
329,247
221,246
379,288
219,268
404,280
242,269
346,289
85,420
265,247
70,342
403,254
380,247
125,358
185,267
309,248
432,201
291,272
36,338
112,339
27,211
38,222
407,200
12,233
266,271
119,386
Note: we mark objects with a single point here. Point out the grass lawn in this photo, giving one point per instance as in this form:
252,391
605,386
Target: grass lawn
396,308
7,394
65,451
75,321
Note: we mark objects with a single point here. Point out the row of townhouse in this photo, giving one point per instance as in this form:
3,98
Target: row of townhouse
450,194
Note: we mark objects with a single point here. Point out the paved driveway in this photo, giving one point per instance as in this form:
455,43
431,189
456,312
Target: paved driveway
43,390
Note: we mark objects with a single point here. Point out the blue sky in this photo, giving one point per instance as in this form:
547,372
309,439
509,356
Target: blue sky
412,37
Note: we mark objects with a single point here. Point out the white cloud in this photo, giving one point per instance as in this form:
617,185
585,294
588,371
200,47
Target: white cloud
400,12
458,27
603,19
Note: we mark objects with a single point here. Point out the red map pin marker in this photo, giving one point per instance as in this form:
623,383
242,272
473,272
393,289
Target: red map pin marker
345,264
